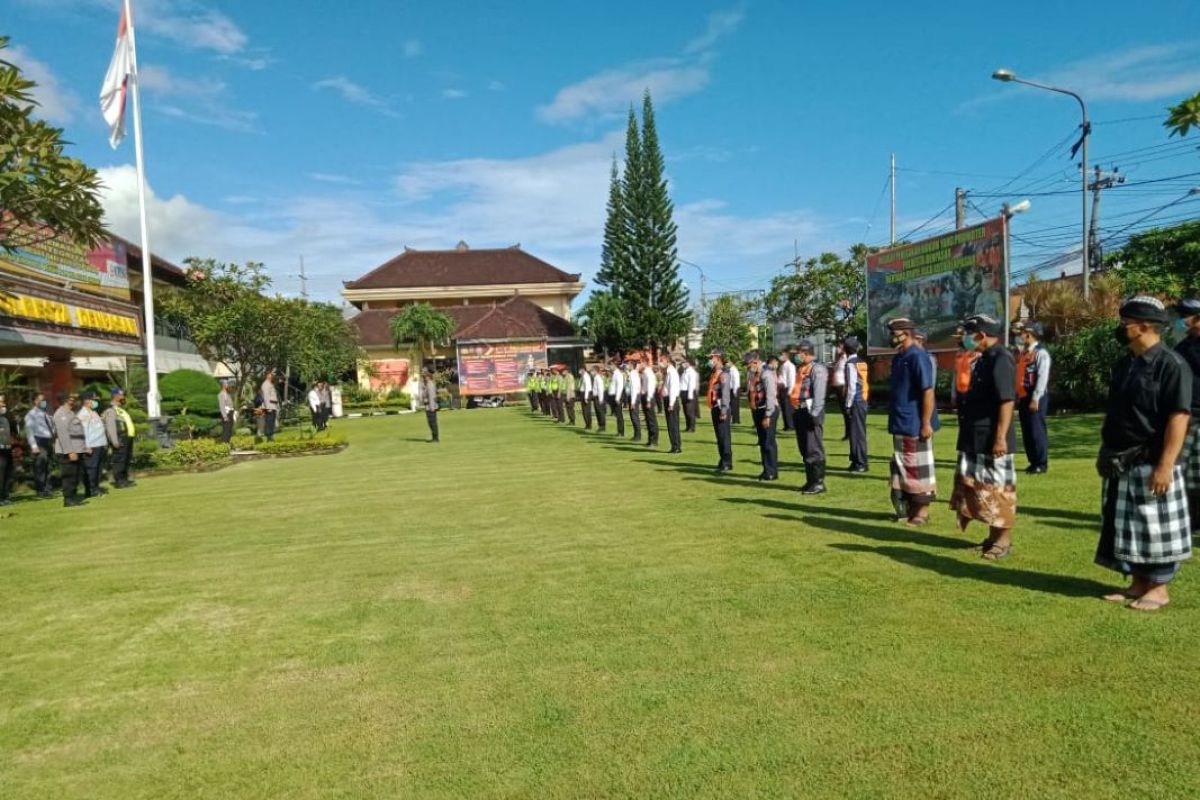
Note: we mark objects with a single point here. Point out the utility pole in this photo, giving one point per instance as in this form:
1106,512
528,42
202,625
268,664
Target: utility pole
960,212
1103,181
892,182
303,280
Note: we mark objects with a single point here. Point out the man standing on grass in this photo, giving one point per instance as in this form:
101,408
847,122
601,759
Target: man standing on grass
6,453
719,398
598,397
566,393
70,444
326,395
1146,531
787,380
808,400
763,392
1033,378
39,435
228,412
270,405
837,379
96,441
735,391
119,428
633,387
428,400
691,394
649,399
671,389
531,389
985,483
1189,349
585,397
912,421
856,390
314,406
964,362
616,397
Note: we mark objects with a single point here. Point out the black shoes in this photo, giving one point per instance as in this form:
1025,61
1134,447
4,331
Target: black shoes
71,502
858,468
1032,470
814,488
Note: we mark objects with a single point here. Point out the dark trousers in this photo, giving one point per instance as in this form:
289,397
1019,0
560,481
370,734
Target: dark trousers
636,419
41,465
598,406
840,393
69,470
768,444
735,409
691,410
118,462
1033,432
431,418
651,423
227,429
6,469
556,409
269,427
810,435
673,427
615,407
857,422
93,467
724,440
569,402
585,405
532,400
785,405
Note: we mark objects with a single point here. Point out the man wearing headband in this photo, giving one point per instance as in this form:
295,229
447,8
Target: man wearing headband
1146,531
912,420
985,482
1189,349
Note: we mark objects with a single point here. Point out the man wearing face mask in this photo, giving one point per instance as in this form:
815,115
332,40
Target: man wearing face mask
6,456
70,444
1146,530
964,363
1033,378
808,401
857,393
39,434
118,426
1189,349
985,483
97,444
719,398
912,421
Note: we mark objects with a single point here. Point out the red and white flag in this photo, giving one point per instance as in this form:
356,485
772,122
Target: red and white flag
115,91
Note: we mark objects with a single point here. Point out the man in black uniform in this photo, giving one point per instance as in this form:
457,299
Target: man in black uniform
1146,530
1189,348
808,398
720,397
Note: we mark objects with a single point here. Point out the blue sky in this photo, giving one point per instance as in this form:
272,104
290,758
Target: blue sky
276,130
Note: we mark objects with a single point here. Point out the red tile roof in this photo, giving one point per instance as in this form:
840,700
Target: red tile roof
516,318
461,267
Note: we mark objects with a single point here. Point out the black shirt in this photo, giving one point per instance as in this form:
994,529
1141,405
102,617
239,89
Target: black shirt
1189,348
993,382
1145,391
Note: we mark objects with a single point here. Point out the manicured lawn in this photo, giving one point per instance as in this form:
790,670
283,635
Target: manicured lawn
527,611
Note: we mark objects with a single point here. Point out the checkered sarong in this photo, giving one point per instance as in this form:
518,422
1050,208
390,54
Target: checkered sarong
985,489
912,467
1148,529
1190,459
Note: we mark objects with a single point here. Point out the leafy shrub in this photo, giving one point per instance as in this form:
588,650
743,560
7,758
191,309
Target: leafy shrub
281,446
181,384
138,415
1081,366
144,451
192,453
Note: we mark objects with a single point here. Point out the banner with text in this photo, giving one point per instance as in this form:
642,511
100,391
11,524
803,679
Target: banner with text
497,367
101,270
937,283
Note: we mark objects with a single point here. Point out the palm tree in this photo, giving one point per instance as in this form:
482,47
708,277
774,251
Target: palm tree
420,328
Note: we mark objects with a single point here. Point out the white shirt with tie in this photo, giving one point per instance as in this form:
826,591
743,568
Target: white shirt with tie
649,385
635,388
671,379
585,385
691,380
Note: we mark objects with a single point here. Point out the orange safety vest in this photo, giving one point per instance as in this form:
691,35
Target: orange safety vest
864,385
756,394
963,361
802,373
714,383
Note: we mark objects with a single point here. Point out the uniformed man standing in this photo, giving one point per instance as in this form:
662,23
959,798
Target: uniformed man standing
567,392
227,411
1033,378
616,398
6,453
837,380
912,421
763,394
70,444
531,380
808,400
719,399
598,397
787,380
1189,350
585,397
39,435
633,390
735,391
1146,530
690,382
428,400
649,400
95,443
270,405
856,392
671,402
119,428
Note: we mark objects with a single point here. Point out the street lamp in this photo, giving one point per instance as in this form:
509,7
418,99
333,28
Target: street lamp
1007,76
1008,212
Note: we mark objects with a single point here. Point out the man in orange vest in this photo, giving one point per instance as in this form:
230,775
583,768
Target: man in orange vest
857,391
1033,402
808,402
720,397
964,363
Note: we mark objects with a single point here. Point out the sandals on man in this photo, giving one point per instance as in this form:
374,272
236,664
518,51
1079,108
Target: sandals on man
1148,606
996,552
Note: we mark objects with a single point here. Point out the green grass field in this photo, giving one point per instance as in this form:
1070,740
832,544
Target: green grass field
527,611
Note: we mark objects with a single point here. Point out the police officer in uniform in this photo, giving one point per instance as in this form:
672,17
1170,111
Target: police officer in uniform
808,398
719,399
1033,378
71,445
856,391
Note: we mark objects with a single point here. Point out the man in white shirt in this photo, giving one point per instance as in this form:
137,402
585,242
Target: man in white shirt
616,398
584,392
837,379
787,379
649,399
598,397
671,389
314,406
690,386
634,391
735,388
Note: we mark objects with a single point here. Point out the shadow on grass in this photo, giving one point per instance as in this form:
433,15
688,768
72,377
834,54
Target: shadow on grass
985,572
894,532
1089,520
803,508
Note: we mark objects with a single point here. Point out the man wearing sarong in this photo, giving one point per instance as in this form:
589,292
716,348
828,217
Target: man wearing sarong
1189,348
985,483
1146,531
912,420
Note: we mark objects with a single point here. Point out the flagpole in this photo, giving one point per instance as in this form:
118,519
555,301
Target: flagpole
152,406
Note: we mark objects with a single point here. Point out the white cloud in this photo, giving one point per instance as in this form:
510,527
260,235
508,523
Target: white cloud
496,86
202,100
55,103
412,48
177,225
327,177
454,94
191,24
611,91
354,93
720,24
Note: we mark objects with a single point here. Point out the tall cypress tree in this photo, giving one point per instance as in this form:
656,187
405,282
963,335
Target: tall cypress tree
614,257
635,291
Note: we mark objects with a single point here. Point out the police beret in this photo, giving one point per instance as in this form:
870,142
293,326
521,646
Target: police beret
1144,308
1033,327
901,324
1188,308
982,323
116,390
